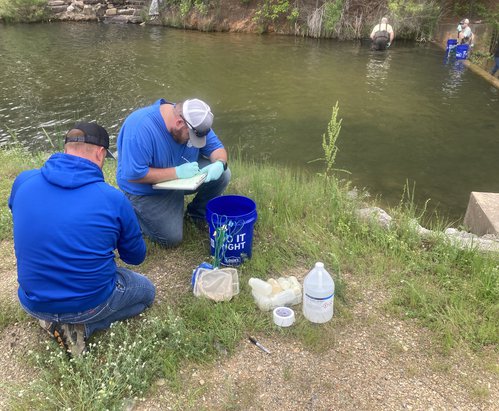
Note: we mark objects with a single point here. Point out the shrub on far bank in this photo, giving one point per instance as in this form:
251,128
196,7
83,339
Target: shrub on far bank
25,11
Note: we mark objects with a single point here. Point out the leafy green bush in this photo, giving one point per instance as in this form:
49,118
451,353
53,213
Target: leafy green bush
332,14
480,58
201,6
414,19
294,15
26,11
272,10
185,7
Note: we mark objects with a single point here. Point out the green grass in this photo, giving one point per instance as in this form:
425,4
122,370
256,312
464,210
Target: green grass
301,219
10,313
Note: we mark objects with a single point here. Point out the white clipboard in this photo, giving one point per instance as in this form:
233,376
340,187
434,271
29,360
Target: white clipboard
191,183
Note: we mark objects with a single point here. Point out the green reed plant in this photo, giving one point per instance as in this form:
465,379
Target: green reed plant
329,146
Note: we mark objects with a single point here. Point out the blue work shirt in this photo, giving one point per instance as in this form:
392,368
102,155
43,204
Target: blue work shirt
144,141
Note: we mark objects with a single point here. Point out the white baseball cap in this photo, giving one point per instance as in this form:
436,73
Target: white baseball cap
199,118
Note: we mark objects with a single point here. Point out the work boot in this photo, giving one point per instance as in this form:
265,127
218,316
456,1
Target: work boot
45,325
74,335
70,337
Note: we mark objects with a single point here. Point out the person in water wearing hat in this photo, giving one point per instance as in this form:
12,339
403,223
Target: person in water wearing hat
67,224
464,33
167,141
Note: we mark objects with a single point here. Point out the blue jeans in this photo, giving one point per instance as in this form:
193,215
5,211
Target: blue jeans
496,67
132,294
161,216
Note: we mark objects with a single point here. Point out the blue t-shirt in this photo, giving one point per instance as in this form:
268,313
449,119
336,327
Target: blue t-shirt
144,141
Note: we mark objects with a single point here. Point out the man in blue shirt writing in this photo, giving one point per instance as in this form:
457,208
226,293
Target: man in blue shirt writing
67,224
167,141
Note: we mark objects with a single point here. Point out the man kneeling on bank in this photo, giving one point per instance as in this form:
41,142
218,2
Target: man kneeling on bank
167,141
67,224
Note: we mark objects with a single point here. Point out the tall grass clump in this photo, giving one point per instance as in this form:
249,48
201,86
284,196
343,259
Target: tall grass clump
454,291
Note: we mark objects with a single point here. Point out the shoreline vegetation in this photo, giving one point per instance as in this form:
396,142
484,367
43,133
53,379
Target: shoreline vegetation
344,20
451,293
414,20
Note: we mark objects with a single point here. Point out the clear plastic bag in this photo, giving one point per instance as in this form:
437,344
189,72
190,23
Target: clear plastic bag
219,284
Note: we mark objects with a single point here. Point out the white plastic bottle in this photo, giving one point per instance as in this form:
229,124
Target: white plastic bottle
260,287
318,295
285,297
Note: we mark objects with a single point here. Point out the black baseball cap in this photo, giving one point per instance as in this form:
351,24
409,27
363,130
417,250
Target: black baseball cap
92,134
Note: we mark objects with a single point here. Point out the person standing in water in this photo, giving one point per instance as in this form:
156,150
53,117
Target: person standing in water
382,35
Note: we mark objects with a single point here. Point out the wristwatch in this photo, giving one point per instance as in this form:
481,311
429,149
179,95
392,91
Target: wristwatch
224,164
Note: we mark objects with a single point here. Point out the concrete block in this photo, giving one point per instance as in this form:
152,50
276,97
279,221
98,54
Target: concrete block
482,214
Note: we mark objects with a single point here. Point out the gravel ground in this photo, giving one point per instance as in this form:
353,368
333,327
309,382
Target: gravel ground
375,361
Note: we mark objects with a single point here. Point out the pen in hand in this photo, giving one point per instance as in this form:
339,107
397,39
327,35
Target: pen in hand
188,169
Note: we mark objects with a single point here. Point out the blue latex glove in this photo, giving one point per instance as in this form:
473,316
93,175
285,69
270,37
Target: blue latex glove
213,171
388,44
187,170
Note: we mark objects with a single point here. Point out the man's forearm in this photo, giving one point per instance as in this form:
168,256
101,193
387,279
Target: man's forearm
157,175
219,154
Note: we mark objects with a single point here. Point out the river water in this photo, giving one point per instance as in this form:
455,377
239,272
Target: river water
408,115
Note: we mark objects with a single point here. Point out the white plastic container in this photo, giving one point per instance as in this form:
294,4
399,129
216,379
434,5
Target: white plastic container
285,297
318,295
260,287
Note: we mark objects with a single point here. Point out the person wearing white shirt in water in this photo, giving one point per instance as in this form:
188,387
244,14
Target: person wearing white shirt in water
382,35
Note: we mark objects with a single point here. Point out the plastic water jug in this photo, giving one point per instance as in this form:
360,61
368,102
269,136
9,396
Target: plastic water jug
318,295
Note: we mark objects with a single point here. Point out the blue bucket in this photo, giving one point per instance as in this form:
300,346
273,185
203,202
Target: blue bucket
462,51
451,45
236,215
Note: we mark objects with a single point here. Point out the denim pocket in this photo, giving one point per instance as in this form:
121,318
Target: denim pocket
120,286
